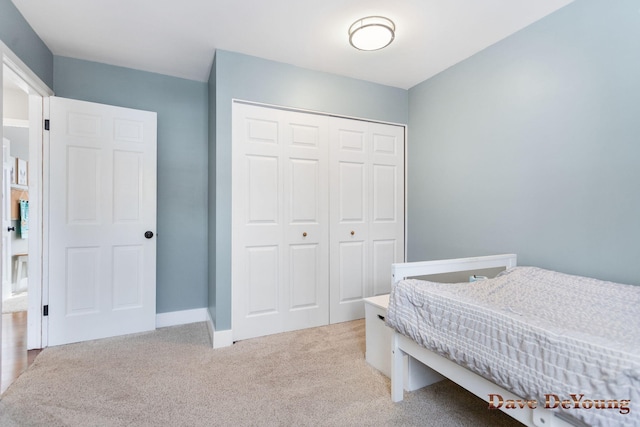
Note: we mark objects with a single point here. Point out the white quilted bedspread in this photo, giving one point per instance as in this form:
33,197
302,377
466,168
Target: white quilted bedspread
534,332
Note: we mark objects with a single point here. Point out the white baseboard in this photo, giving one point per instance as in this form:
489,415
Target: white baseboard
174,318
210,327
222,338
219,339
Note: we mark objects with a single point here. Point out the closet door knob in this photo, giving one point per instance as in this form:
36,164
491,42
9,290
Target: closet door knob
304,234
353,233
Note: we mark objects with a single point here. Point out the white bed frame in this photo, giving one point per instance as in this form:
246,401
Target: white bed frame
441,366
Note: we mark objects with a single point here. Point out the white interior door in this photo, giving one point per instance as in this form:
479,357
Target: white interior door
280,229
102,183
367,212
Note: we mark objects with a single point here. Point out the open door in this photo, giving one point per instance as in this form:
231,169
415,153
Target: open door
102,221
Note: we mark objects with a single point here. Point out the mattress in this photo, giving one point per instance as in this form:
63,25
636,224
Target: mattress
540,334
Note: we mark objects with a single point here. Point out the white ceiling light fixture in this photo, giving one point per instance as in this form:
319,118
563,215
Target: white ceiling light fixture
372,33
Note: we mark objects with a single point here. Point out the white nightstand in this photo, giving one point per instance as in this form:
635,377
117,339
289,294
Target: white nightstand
378,346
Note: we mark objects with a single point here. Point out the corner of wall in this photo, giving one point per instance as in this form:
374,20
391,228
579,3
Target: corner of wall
23,41
219,339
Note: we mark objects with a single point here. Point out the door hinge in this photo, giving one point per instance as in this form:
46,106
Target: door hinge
45,310
46,124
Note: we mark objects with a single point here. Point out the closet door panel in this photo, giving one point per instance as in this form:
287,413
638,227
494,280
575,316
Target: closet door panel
262,280
350,138
306,231
351,189
350,194
262,191
304,184
304,260
384,194
386,212
257,222
387,140
352,271
367,212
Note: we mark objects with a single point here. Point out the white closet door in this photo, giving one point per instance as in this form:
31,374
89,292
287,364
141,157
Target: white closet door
257,222
350,194
317,217
386,205
366,214
280,235
306,220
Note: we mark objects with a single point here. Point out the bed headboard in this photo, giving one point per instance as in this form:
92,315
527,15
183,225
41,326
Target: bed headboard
401,271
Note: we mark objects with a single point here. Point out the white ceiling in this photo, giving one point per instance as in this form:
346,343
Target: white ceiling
179,38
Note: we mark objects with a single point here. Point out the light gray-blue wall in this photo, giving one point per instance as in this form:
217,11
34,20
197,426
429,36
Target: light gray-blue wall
18,35
249,78
182,107
532,146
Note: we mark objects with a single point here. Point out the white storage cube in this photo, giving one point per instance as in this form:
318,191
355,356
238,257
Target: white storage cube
378,335
378,346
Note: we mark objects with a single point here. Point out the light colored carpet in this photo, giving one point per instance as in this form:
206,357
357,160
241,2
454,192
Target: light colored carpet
15,303
172,377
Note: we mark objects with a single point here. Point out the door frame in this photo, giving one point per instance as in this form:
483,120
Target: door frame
38,93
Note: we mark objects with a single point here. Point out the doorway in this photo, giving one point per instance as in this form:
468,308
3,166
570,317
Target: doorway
15,197
21,255
15,228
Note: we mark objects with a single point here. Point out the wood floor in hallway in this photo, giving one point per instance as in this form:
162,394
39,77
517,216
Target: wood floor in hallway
15,357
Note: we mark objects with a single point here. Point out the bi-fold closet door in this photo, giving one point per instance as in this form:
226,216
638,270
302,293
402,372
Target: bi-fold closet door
280,229
366,212
317,217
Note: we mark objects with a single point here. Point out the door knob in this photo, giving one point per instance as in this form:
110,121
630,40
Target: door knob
304,234
353,233
148,234
11,229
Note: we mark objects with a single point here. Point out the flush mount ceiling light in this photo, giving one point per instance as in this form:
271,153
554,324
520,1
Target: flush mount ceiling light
372,33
